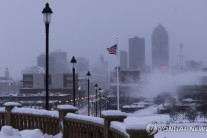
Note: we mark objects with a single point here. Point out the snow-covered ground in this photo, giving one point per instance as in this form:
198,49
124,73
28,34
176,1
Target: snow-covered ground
9,132
181,135
151,110
149,115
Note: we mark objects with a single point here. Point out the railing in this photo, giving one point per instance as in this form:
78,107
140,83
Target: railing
110,125
118,130
2,117
26,118
117,134
80,126
47,124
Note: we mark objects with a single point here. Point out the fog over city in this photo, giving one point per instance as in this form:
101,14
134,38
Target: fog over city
87,28
114,68
159,82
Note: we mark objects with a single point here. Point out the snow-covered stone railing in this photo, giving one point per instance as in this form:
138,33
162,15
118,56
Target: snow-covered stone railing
113,115
79,126
112,123
26,118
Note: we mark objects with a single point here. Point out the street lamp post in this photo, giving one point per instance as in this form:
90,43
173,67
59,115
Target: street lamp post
88,75
73,61
100,101
47,19
96,87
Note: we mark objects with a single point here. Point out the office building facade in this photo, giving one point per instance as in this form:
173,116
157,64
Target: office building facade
160,48
136,53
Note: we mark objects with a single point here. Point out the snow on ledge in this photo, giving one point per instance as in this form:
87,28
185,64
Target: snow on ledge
2,109
67,107
86,118
140,123
113,113
119,126
136,126
12,104
35,111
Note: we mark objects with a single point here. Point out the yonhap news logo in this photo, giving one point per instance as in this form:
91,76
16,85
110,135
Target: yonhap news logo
183,128
152,128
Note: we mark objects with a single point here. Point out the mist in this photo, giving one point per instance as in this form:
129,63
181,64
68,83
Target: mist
159,82
87,28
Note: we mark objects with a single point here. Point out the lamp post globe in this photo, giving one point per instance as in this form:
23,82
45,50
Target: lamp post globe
47,14
88,77
96,86
88,74
73,61
47,19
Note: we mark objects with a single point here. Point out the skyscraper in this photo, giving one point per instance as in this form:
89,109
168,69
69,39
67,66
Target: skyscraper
57,62
123,59
99,72
82,66
41,60
181,55
136,53
160,48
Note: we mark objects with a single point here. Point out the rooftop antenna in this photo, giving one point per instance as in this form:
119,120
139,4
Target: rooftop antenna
181,55
7,72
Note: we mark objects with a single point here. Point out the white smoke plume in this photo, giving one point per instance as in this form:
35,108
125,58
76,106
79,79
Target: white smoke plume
159,82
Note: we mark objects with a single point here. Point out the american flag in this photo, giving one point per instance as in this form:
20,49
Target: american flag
112,49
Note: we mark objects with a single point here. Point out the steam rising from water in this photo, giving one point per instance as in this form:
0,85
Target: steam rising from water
159,82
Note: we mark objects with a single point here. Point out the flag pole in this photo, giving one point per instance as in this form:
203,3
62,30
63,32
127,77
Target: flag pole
114,50
117,74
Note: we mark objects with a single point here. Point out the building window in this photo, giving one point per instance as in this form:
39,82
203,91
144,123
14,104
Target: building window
28,85
68,81
69,78
28,78
28,81
69,85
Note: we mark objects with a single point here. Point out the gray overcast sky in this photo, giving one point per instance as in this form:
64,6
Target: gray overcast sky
86,28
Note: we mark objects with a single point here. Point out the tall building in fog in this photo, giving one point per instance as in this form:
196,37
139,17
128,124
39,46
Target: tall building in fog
82,66
123,59
181,55
99,72
41,60
57,62
136,53
160,48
